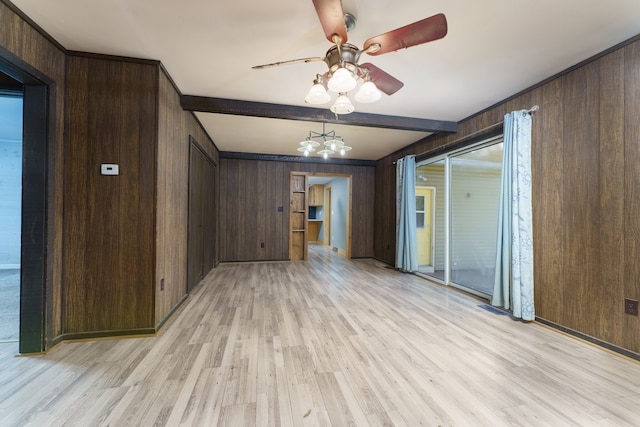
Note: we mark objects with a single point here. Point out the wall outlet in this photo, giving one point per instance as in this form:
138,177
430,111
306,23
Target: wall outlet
262,245
631,306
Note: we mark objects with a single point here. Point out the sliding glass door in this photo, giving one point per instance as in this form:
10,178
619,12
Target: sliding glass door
457,198
475,198
430,218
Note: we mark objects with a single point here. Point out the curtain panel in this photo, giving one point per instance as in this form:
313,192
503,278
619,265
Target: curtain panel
406,239
513,286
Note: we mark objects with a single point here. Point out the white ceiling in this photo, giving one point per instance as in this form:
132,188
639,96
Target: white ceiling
494,49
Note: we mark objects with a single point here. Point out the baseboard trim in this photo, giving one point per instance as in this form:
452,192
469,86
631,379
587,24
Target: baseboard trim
169,315
596,341
384,261
117,333
54,342
341,251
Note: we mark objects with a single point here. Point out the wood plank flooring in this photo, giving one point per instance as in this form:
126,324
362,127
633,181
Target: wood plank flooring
328,342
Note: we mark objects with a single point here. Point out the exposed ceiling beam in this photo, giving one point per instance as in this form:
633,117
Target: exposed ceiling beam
291,112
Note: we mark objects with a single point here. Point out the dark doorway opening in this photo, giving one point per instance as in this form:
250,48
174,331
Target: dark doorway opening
36,89
11,107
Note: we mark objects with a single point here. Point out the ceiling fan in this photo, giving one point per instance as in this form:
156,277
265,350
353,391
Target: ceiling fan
342,58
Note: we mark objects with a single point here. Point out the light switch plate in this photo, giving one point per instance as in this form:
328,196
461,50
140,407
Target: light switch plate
109,169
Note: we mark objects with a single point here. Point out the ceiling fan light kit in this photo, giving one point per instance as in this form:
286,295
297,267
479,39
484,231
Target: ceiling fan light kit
342,105
343,77
368,93
342,80
342,59
317,94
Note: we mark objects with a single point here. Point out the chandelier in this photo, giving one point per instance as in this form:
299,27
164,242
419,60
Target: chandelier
329,143
344,73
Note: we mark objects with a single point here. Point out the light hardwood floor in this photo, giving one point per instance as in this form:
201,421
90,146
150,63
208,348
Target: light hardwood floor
324,342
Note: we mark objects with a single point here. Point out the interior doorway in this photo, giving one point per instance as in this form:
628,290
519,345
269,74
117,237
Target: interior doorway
327,209
330,211
11,108
38,148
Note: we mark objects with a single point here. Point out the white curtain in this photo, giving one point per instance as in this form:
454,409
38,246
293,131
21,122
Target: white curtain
406,239
513,287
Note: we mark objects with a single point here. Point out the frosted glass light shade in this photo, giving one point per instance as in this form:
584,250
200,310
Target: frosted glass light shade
342,105
333,144
368,92
325,153
342,80
317,95
344,149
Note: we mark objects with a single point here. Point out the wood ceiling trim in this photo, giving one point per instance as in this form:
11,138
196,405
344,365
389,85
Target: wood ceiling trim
290,112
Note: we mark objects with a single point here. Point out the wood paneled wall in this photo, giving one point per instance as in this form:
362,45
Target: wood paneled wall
120,235
203,208
175,127
23,41
586,192
109,234
251,192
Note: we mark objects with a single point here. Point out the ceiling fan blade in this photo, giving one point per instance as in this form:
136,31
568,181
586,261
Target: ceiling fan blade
332,19
383,81
291,61
426,30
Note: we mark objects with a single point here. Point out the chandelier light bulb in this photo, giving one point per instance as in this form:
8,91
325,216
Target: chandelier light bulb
329,142
342,80
367,93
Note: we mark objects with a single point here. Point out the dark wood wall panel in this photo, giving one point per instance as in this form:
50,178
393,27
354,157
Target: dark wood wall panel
23,41
175,128
547,163
585,157
275,182
195,240
209,193
110,221
173,167
581,191
612,200
252,191
385,212
631,325
202,216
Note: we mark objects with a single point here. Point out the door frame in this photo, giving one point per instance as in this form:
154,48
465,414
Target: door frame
38,172
348,231
327,215
301,191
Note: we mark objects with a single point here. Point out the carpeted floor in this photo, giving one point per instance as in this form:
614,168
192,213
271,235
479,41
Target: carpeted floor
9,305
